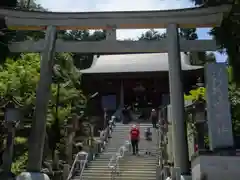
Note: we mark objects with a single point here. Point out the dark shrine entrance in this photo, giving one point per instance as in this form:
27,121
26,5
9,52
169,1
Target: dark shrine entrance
141,95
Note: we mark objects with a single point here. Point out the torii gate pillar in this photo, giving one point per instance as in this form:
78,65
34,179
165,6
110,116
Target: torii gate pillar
38,131
181,159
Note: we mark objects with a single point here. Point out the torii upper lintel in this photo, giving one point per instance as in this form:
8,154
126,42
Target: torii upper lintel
185,18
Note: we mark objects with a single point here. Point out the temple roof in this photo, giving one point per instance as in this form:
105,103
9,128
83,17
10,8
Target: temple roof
135,63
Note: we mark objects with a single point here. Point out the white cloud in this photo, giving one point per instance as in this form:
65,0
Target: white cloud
114,5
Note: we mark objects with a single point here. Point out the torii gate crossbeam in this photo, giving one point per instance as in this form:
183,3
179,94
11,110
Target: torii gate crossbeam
114,47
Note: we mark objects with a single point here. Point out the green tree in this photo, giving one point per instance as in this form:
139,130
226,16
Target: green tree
196,58
8,3
19,79
66,95
30,5
5,35
9,35
234,96
188,33
200,58
152,35
228,34
210,57
83,61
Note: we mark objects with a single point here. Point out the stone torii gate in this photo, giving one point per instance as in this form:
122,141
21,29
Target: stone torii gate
111,21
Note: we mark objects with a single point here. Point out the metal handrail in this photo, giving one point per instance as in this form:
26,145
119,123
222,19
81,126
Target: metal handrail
82,165
161,145
114,161
113,165
160,153
84,161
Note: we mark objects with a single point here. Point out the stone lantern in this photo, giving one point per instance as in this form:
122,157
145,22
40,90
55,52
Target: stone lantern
199,115
12,116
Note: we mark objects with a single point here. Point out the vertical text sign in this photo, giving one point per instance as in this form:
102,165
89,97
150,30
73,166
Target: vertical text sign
218,107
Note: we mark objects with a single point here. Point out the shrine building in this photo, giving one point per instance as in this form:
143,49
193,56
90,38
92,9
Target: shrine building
128,79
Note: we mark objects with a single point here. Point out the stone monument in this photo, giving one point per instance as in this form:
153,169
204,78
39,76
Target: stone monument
219,163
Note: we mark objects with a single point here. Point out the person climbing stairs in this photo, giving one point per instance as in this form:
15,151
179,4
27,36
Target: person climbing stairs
141,166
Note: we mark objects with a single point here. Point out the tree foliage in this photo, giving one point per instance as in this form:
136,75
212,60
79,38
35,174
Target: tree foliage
8,3
234,98
7,36
196,58
228,34
152,35
83,61
19,80
188,33
196,94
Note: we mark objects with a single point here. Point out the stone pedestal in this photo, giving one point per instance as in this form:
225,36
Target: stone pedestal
32,176
158,172
66,170
187,177
216,167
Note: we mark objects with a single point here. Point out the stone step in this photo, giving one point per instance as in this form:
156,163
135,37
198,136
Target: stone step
124,171
125,166
141,157
122,174
139,167
117,178
105,156
98,161
127,129
104,169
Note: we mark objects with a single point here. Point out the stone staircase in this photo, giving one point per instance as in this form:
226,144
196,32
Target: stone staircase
142,167
131,167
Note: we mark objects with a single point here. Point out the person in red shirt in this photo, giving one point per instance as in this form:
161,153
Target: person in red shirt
134,136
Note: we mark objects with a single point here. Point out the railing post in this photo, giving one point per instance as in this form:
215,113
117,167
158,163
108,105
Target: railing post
158,172
66,169
176,173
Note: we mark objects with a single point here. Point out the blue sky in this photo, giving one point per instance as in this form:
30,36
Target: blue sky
123,5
